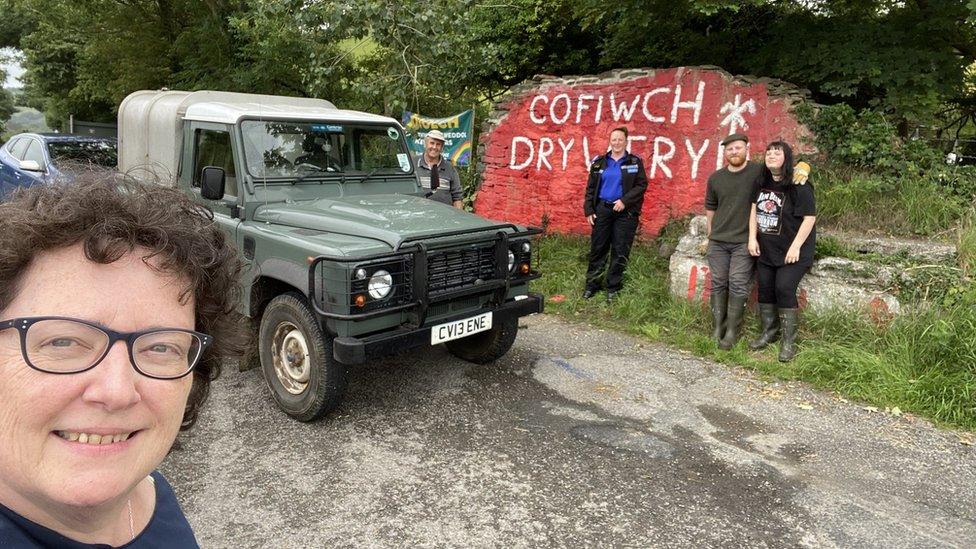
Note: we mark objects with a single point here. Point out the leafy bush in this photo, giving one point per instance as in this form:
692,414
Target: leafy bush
866,139
870,179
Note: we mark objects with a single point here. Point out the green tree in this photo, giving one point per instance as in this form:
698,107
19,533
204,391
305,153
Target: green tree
84,56
7,108
904,57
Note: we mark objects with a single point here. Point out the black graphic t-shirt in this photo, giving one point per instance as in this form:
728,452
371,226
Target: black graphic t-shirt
780,209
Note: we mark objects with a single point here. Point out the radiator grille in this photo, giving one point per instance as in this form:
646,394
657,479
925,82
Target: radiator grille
456,269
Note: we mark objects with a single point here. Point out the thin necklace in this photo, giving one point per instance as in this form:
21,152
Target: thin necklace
132,531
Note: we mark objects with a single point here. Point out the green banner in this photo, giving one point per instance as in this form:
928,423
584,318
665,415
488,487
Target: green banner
458,133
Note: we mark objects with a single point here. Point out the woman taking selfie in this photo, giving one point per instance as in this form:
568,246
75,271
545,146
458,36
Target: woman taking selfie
116,306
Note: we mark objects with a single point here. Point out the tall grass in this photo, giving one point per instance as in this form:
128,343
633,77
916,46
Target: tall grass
924,361
906,205
966,244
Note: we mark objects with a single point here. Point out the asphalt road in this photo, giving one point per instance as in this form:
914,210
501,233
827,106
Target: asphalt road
578,438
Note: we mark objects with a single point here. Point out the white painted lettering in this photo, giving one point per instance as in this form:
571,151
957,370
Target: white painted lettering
621,110
587,159
632,138
582,106
647,97
552,108
599,108
695,155
545,149
532,116
660,158
696,105
528,161
565,148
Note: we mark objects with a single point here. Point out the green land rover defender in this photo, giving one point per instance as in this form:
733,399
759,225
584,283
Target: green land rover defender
345,260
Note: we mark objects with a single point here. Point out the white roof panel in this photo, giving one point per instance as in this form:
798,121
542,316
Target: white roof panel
231,113
151,123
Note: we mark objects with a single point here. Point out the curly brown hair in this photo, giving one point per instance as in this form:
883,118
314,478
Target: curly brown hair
110,217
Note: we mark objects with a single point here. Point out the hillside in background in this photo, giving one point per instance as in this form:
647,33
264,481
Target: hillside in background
24,119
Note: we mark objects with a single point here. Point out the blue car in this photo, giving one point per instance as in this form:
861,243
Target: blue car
31,158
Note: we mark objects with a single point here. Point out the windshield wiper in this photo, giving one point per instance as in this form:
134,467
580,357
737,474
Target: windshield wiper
369,174
317,170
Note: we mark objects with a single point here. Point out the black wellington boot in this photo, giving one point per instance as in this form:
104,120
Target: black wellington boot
719,303
789,322
769,326
737,305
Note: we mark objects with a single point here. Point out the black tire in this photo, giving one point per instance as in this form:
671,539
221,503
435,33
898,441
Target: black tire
486,346
307,382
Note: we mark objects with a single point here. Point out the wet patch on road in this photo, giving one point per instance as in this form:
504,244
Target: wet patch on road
753,436
624,438
733,427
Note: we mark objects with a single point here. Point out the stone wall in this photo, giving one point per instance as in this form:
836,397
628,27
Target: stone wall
538,142
831,282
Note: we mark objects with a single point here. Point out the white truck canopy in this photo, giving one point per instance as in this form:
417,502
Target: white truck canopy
151,123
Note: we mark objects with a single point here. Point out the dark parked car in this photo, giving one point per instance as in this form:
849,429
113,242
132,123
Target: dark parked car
30,158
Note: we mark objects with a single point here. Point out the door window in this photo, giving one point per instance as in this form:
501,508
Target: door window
213,149
18,149
35,152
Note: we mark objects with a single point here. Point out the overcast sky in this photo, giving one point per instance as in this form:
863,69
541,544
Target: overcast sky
14,70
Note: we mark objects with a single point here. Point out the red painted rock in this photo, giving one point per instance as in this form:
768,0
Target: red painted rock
537,148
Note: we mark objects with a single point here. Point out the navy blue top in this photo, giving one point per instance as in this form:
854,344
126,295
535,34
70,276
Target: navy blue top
167,528
610,186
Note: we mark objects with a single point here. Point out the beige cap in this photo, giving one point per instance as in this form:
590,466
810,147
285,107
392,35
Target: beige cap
436,134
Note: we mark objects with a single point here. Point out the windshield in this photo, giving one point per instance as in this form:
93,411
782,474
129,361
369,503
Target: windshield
295,149
68,153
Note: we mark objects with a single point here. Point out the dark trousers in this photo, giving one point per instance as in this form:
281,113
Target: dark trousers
613,233
731,267
777,285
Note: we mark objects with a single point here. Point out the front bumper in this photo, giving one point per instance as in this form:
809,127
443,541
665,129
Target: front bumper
357,350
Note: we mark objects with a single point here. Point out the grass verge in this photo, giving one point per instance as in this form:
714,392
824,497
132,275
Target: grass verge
906,205
923,361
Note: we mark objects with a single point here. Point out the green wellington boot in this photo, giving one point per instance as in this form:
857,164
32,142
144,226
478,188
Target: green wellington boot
733,320
789,322
719,303
769,326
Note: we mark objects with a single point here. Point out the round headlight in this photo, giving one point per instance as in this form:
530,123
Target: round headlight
526,247
360,274
380,284
511,260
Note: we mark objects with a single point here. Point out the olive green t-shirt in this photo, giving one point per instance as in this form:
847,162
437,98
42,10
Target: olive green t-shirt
730,196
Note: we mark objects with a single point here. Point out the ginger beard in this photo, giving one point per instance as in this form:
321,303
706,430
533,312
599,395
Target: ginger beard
735,154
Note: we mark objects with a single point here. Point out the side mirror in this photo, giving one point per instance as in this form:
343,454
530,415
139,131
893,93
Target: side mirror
31,166
212,183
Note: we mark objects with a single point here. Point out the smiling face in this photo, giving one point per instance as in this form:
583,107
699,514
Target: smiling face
49,423
618,142
774,159
736,153
432,149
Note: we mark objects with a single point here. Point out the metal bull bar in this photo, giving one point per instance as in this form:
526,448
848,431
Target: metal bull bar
417,248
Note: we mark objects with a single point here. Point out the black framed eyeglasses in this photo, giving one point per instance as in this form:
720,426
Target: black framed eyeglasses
62,345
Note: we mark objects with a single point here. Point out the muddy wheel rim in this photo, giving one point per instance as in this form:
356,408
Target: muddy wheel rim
292,365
